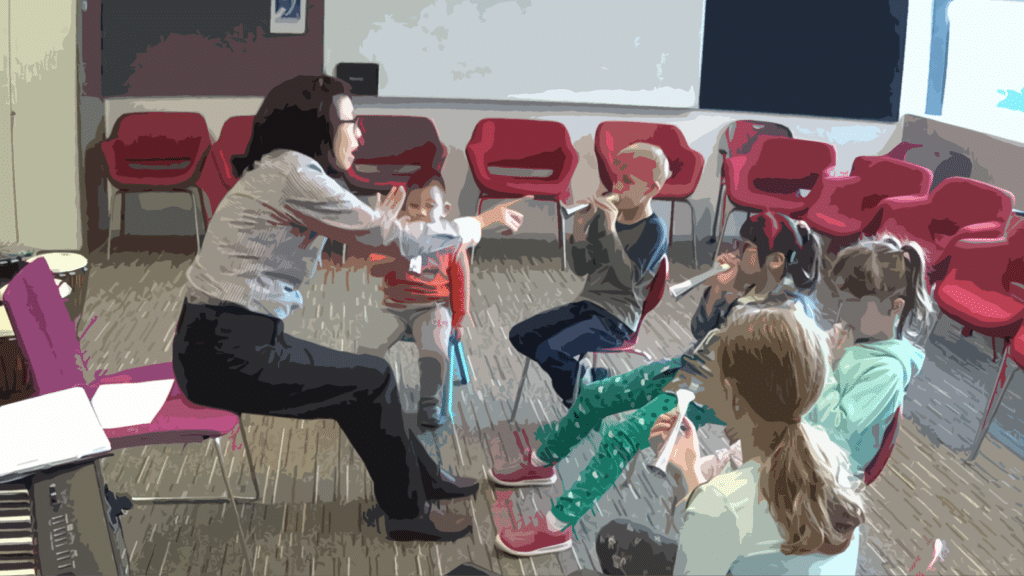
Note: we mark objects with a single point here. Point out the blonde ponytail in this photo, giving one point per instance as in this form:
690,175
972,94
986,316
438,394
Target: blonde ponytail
809,494
777,360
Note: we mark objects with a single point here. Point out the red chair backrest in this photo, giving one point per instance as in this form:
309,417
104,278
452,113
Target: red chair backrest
400,140
890,177
877,464
46,334
655,291
785,165
741,135
160,135
233,141
685,163
967,201
518,143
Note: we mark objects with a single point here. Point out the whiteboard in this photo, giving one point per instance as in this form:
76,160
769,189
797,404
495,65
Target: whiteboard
641,53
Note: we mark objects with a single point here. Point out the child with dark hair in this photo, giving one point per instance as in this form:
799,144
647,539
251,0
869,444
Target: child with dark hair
777,263
430,303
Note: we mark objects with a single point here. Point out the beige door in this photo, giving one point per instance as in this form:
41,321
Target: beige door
8,212
44,50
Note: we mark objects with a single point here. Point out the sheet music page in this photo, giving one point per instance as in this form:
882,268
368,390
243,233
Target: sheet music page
132,404
48,430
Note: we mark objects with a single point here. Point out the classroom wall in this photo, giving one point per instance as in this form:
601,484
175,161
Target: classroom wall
149,214
993,160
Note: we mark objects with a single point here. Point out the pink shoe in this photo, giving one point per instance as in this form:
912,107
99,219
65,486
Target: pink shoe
534,539
524,474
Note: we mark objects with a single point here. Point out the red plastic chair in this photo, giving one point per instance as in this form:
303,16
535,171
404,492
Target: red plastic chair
157,151
849,206
984,288
1015,352
685,163
771,176
512,158
218,175
956,209
655,291
48,340
877,464
738,139
393,149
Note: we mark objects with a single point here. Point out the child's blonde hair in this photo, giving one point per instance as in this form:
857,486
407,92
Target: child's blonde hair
776,359
654,153
886,268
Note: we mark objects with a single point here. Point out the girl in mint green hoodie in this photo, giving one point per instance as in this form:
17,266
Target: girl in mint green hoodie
882,287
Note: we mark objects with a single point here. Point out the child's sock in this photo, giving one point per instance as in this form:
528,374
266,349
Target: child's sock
537,461
554,523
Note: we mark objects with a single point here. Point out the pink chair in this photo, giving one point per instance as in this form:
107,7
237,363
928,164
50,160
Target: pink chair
738,139
152,151
958,208
772,175
877,464
1014,351
511,158
49,342
849,206
218,175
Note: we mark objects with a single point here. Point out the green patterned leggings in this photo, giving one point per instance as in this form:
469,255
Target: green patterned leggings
641,389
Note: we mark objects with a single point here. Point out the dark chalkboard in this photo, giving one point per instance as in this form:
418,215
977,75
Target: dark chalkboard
834,58
203,47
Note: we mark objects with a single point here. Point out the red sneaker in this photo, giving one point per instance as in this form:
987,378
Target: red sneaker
524,474
533,539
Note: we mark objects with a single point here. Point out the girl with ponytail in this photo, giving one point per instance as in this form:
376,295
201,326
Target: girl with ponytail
882,288
792,507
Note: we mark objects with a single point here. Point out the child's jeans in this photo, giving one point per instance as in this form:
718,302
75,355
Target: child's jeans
555,338
431,329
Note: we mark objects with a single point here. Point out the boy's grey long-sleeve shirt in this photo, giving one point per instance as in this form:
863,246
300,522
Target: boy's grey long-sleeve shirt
619,267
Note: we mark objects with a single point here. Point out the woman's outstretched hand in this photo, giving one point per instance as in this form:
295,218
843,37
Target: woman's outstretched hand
503,214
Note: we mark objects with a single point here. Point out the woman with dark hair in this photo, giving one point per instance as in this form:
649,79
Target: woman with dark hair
265,239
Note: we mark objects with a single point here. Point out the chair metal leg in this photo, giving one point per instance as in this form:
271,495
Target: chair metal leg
110,222
211,499
693,233
718,206
249,559
721,232
993,405
458,352
561,233
519,394
472,249
194,194
671,220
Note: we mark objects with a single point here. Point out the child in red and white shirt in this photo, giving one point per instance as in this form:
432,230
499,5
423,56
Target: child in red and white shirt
427,298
